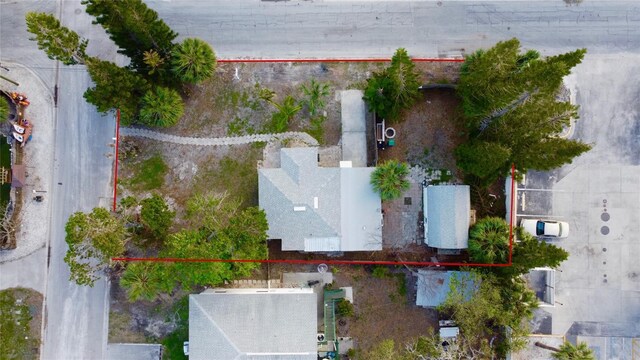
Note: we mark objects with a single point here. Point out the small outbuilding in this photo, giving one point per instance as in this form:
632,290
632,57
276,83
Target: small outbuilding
433,286
447,216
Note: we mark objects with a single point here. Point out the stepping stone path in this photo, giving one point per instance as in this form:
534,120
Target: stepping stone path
221,141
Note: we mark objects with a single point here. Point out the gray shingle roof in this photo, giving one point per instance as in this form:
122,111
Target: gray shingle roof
446,213
322,207
239,324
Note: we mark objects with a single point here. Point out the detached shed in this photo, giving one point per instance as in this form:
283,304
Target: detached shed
446,216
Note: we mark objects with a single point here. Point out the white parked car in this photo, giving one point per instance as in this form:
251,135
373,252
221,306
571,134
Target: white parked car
546,228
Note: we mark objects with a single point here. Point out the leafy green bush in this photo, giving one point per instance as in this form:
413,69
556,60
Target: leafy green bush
345,308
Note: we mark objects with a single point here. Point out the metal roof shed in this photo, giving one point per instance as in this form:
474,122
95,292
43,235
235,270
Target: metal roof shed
446,216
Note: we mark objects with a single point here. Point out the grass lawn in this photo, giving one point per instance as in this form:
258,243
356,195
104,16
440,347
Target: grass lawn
173,342
149,174
20,319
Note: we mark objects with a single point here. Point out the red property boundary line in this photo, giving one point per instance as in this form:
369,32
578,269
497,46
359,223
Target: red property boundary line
334,60
326,261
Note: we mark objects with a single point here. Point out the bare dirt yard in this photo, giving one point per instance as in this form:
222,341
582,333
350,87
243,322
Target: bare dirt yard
230,105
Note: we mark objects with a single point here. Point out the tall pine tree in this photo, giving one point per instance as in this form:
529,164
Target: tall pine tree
134,27
57,41
115,88
510,100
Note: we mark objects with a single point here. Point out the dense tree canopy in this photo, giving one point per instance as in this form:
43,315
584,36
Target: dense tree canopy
395,88
93,239
56,40
156,216
529,253
134,28
512,112
115,88
217,228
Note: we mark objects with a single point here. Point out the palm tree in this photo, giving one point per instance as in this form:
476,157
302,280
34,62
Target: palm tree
390,179
193,60
315,92
145,280
489,241
568,351
161,107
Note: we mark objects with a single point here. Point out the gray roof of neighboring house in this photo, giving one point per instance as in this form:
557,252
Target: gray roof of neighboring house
446,213
314,208
433,286
239,324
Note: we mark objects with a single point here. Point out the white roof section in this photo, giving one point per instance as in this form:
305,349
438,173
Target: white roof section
242,324
446,216
341,210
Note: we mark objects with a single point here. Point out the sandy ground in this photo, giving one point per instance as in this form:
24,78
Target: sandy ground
38,158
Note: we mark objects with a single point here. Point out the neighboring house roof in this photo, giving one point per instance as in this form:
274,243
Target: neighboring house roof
314,208
242,324
446,213
433,286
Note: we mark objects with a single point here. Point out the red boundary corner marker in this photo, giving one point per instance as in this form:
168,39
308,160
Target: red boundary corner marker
325,261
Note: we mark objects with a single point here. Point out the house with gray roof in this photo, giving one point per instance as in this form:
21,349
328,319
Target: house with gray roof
320,209
446,216
244,324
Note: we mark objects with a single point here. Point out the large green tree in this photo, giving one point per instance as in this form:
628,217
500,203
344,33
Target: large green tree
489,241
161,107
389,179
193,60
512,112
529,253
134,28
115,88
57,41
93,239
395,88
156,216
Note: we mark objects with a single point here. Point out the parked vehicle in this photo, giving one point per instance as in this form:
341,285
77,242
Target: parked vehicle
546,228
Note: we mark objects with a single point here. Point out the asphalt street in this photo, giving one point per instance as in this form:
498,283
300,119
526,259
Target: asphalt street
305,29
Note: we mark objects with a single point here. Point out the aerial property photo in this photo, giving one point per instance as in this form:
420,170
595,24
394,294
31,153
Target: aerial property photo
363,179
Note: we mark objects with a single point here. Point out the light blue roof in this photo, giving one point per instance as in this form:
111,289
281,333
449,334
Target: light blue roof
433,286
446,216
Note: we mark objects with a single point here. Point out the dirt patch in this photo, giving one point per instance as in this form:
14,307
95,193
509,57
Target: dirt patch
429,133
140,321
384,307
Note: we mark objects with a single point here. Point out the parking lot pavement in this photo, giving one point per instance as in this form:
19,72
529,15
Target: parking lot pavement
598,287
134,351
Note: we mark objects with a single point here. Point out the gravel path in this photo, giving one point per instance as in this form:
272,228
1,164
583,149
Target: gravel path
222,141
38,159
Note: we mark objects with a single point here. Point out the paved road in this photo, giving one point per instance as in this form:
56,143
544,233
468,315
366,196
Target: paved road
251,28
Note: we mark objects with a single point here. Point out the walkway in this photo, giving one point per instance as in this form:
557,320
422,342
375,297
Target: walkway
222,141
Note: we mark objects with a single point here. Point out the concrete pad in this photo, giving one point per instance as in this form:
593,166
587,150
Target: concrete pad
133,351
353,111
354,148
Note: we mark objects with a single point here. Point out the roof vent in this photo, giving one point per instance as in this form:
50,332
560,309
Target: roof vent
315,202
299,208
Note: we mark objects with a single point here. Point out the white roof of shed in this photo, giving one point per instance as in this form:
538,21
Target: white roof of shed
446,216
